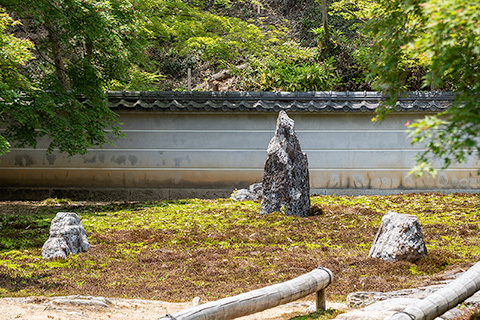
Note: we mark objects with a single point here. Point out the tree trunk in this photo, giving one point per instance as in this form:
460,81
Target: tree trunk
286,6
57,56
325,24
88,49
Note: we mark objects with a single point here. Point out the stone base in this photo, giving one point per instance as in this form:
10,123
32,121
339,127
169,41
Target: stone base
145,194
106,194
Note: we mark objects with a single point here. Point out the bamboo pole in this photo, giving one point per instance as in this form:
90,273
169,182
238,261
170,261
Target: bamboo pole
444,299
260,299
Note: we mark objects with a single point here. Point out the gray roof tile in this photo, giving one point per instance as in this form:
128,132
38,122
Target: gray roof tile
216,101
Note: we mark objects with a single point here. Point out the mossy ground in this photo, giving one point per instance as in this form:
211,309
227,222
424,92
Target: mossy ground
176,250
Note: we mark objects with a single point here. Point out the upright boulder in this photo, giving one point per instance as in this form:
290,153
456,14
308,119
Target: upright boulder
67,236
399,237
286,183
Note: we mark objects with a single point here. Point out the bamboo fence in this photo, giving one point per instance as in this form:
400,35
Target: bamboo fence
444,299
261,299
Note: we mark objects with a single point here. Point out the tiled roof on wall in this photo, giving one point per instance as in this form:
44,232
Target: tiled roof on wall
220,101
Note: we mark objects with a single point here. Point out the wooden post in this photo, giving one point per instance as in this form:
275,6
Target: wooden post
189,79
260,299
320,300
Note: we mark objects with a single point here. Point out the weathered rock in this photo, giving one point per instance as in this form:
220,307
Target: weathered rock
254,192
364,298
286,183
392,301
398,238
387,308
81,301
67,236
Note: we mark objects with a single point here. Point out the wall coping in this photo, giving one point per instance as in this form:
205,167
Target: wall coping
227,101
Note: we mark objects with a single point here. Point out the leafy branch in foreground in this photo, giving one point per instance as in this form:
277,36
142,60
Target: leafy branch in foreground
14,53
443,36
89,44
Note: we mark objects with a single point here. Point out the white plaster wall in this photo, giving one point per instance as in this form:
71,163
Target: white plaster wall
347,153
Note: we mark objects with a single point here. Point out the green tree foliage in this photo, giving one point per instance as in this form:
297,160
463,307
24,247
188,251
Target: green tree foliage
197,35
80,46
442,36
291,68
187,29
359,11
14,52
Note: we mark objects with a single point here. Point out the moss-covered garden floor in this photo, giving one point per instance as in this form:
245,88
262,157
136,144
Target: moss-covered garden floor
177,250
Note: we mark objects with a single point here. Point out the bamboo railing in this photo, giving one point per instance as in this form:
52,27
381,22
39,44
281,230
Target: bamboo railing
444,299
261,299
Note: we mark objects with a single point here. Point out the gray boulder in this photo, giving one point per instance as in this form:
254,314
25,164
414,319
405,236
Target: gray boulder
253,192
399,237
286,183
365,298
383,310
381,305
67,236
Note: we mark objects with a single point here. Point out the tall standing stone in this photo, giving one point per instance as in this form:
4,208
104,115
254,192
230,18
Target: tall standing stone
286,183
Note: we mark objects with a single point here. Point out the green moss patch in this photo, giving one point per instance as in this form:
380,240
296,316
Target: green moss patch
176,250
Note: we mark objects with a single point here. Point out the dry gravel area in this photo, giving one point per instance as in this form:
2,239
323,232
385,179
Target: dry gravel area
42,308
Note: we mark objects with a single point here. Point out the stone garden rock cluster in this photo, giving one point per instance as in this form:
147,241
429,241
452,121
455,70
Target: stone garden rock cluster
286,188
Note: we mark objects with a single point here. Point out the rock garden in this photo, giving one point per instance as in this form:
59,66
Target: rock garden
175,251
385,252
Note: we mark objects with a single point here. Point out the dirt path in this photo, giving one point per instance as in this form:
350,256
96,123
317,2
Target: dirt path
42,308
